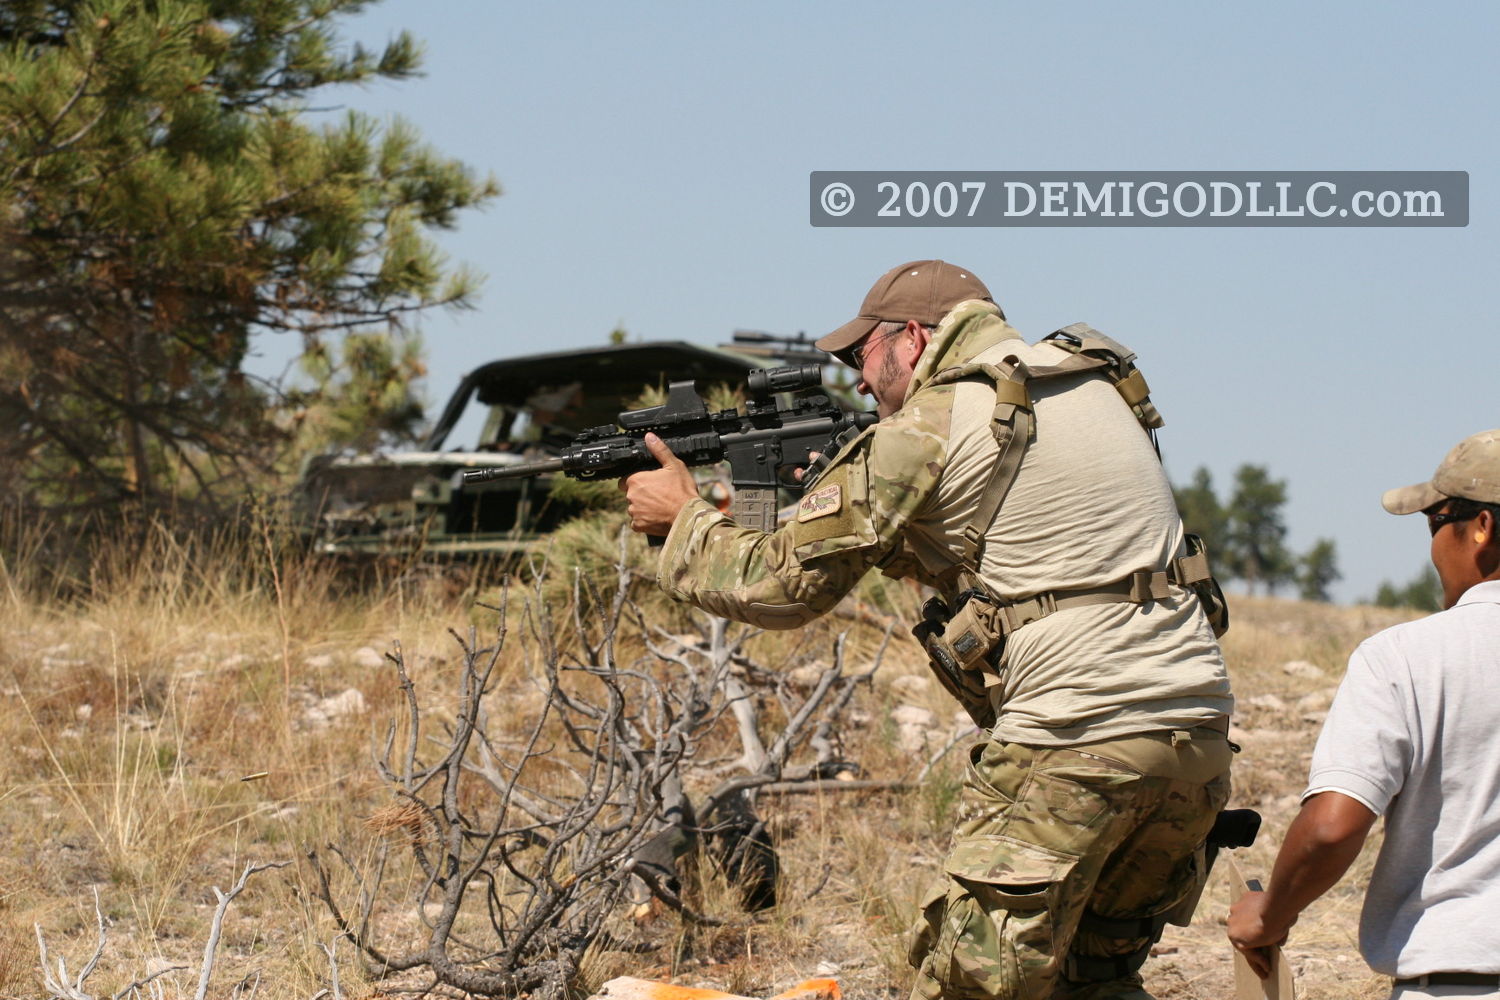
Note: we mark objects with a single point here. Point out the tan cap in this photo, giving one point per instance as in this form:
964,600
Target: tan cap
1471,471
924,290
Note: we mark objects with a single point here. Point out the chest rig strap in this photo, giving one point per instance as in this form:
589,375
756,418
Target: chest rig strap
1011,424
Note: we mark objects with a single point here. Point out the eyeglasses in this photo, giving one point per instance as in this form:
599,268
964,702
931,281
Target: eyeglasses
855,356
1437,520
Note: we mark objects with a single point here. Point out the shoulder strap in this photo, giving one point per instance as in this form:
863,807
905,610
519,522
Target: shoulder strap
1010,423
1118,362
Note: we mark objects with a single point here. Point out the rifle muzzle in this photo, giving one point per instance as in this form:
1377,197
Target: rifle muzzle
513,471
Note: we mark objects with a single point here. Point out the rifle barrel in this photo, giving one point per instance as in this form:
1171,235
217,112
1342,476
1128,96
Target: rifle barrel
513,471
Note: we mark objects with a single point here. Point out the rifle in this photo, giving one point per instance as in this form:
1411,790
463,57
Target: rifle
758,442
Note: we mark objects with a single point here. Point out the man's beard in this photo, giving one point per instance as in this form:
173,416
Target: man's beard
887,379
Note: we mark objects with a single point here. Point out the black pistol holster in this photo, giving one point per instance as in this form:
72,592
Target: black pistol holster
962,645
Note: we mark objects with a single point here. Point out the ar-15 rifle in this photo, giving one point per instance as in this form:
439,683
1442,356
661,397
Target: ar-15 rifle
758,443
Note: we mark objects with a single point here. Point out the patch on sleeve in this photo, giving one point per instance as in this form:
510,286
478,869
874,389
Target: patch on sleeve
828,500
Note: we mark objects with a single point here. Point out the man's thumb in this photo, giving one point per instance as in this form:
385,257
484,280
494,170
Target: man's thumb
659,450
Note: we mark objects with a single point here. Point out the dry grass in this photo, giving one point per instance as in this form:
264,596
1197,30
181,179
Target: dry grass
170,727
1277,722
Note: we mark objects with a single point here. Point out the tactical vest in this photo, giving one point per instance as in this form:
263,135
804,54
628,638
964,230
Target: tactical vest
966,633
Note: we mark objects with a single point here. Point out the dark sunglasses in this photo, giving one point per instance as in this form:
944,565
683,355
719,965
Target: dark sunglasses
1437,520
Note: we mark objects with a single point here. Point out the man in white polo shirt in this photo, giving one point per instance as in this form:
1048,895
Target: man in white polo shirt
1413,735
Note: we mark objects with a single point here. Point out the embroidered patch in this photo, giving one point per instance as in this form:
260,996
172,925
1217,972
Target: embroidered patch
828,500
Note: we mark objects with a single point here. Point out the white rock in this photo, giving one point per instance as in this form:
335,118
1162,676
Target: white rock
1269,702
320,662
1315,702
155,964
805,677
348,702
1301,668
83,712
913,715
914,727
366,657
234,662
828,969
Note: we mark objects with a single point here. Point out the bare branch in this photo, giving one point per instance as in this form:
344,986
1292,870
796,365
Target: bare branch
333,970
59,985
144,980
211,947
550,797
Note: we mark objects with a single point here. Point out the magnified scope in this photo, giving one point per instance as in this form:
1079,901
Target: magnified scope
764,382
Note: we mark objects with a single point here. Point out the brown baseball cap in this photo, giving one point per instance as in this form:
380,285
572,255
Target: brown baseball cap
923,290
1470,472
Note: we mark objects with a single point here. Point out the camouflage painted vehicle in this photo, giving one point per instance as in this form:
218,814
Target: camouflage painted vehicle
407,502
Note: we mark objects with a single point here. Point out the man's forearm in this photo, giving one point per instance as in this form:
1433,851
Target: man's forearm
743,574
1322,842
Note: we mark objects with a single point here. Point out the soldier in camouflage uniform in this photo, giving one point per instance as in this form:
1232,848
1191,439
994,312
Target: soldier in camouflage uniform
1084,815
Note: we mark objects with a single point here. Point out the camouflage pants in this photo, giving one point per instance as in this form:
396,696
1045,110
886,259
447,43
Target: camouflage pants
1045,834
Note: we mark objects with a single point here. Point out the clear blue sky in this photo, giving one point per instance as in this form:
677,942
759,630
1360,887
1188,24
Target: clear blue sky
655,163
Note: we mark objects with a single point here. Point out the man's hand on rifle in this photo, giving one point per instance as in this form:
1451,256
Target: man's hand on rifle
799,474
655,498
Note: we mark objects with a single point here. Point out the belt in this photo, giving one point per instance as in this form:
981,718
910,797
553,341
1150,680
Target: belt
1138,588
1491,979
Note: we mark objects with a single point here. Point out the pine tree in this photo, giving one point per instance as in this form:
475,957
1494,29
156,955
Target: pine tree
1257,533
166,193
1203,514
1317,570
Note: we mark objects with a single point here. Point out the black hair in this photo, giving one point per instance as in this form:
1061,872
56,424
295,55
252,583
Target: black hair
1466,508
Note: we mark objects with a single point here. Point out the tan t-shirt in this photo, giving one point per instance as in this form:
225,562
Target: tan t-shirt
1089,505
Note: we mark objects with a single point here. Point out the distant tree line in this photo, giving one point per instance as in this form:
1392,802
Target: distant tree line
1246,535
